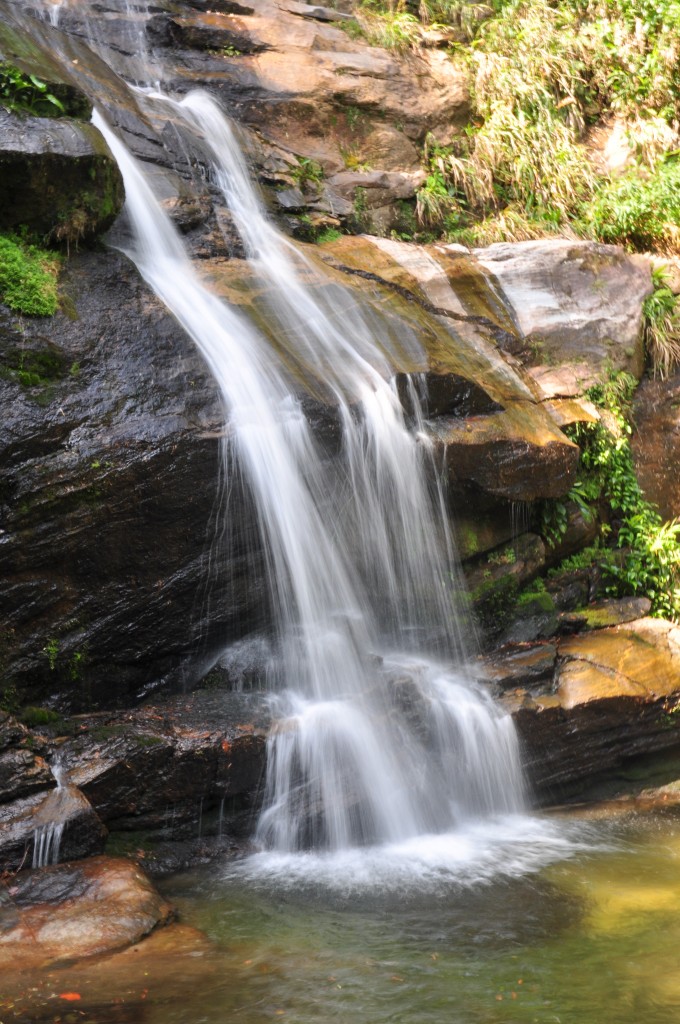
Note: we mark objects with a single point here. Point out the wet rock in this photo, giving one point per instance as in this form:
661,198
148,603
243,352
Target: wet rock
613,697
180,768
113,448
23,769
74,911
656,442
42,829
605,613
513,452
534,618
444,394
518,454
494,581
520,665
59,178
483,531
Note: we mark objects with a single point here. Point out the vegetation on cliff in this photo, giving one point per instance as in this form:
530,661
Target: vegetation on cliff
28,277
637,552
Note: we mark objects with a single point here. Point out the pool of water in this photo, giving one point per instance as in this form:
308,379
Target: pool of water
539,920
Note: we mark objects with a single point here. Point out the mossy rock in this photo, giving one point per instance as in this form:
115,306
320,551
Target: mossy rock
59,178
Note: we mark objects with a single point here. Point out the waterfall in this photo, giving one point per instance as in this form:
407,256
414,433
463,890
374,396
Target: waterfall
380,737
377,739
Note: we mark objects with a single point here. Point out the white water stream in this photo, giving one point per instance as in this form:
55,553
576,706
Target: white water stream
380,737
374,744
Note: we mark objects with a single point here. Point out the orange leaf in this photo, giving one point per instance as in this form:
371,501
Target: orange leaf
70,996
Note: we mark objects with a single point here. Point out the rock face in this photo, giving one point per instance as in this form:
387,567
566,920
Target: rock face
41,830
67,167
571,336
585,704
159,770
110,456
70,912
59,178
656,442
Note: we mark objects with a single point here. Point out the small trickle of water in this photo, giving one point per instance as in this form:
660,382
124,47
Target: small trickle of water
48,834
47,843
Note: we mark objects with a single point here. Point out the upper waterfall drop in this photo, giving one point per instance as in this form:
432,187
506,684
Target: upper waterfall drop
378,740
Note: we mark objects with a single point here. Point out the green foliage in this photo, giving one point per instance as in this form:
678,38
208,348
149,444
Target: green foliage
307,172
23,93
328,235
33,717
640,213
389,26
76,665
650,565
28,277
353,159
541,74
507,556
9,699
435,200
51,652
662,328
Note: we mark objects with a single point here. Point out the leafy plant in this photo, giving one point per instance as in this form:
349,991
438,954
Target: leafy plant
307,172
28,277
51,652
26,93
435,200
650,565
640,213
662,327
392,27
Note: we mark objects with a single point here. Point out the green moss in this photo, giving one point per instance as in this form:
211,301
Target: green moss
34,717
28,277
328,235
494,602
533,602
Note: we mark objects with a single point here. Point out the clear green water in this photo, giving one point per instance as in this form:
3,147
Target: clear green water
590,939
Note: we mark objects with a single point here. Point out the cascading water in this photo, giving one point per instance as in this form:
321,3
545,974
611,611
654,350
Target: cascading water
49,830
373,745
378,741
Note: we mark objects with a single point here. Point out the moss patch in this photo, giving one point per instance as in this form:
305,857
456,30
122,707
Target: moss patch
28,277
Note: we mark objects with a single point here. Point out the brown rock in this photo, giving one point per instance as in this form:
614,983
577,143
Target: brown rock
73,911
614,698
656,442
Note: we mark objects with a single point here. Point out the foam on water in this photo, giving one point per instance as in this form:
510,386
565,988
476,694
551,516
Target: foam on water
510,846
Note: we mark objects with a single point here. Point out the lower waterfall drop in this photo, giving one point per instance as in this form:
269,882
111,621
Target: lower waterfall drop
377,741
